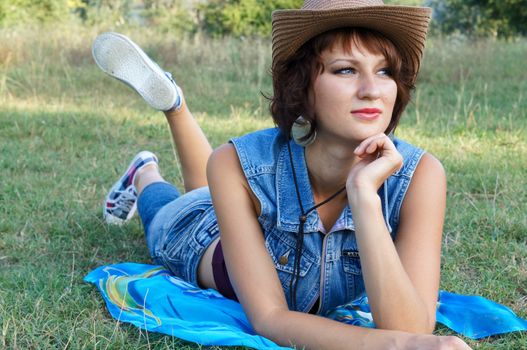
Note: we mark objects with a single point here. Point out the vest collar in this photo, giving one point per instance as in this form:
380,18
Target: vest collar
289,210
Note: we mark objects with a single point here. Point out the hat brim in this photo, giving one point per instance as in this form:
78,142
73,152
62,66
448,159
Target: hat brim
405,26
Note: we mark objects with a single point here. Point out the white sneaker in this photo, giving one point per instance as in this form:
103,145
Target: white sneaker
121,202
121,58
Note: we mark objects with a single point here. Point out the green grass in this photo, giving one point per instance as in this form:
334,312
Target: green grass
66,132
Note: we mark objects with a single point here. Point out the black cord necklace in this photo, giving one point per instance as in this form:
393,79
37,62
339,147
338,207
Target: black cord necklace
300,234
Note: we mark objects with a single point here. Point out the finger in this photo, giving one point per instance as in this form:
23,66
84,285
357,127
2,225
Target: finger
381,145
374,145
363,146
378,144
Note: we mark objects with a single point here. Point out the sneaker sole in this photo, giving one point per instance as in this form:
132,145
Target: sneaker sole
122,59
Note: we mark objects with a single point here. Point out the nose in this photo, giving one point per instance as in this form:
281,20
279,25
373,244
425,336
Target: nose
369,88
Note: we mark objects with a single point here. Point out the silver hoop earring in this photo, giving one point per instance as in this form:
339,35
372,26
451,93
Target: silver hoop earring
300,129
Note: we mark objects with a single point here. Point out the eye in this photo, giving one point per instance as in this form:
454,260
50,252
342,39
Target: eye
385,71
344,71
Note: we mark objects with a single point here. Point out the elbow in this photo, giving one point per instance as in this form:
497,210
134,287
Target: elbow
430,325
260,325
427,321
265,325
261,329
427,326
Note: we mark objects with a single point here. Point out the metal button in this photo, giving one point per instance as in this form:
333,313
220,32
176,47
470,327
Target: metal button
350,253
283,260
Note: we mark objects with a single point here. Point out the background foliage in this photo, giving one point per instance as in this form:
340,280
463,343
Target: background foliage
22,11
496,18
242,18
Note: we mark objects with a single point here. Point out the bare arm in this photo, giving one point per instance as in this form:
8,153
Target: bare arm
256,282
401,279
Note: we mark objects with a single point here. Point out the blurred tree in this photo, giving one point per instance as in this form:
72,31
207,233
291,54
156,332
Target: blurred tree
175,16
104,11
13,12
498,18
240,17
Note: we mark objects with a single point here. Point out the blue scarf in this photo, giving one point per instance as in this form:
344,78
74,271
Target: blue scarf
151,298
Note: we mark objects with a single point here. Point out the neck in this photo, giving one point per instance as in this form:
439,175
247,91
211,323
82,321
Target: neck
328,166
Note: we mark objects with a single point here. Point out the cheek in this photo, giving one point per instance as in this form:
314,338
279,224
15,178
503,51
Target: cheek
328,95
320,91
390,94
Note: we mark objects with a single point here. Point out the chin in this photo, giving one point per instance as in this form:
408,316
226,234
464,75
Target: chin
363,135
354,134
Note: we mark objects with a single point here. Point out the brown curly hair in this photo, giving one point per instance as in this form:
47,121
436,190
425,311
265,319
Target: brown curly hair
293,78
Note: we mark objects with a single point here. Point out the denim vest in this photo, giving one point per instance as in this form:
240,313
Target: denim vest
330,267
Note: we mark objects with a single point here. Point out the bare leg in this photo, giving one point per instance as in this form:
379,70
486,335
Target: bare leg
192,146
146,176
205,275
193,150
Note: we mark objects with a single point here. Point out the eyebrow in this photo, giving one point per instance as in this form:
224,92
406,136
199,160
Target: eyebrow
352,61
343,59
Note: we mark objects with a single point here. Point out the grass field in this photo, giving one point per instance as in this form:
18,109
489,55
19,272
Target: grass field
67,131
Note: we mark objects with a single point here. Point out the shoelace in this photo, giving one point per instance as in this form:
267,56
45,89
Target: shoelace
126,200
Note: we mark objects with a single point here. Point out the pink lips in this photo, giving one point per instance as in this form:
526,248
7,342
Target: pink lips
367,113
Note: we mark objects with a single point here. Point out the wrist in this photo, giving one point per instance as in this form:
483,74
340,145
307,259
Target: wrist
387,339
363,197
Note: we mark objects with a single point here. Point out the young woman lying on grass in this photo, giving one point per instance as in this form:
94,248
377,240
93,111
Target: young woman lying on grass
313,213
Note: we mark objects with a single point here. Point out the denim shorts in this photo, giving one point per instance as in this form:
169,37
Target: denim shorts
178,228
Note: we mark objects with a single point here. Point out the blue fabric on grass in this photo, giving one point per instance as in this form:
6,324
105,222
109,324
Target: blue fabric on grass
151,298
476,317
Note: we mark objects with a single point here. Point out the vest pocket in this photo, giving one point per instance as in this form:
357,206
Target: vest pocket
351,262
353,271
282,251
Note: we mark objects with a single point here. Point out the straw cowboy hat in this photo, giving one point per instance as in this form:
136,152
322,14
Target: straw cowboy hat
405,26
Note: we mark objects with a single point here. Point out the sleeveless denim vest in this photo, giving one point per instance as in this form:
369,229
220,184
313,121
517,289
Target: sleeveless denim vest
330,267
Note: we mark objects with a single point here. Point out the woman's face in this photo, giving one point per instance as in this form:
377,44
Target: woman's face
354,96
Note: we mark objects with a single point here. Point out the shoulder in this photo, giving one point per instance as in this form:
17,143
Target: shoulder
223,159
417,187
224,173
226,177
423,170
430,166
428,184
